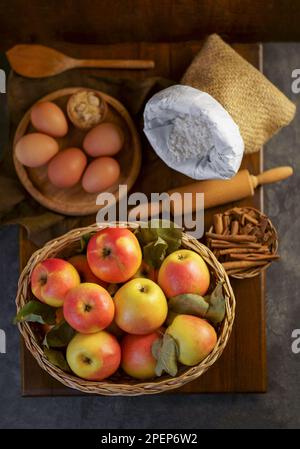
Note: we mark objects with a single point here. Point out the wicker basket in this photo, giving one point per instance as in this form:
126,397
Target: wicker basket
255,271
120,384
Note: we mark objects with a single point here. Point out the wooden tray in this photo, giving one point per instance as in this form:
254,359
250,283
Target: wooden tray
74,200
242,367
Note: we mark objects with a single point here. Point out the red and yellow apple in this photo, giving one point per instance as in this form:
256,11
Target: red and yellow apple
52,279
183,271
145,271
137,359
196,338
88,308
141,306
94,356
114,254
86,275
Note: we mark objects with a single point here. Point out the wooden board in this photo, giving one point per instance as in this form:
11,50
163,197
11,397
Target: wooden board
242,367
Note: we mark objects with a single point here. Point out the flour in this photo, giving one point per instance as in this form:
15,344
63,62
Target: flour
193,134
191,137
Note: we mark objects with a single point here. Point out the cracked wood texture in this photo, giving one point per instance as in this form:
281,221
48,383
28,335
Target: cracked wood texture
242,367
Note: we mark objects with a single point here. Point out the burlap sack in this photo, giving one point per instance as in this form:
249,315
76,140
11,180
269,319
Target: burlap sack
255,104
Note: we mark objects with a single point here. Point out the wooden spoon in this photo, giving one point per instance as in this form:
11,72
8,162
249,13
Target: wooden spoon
38,61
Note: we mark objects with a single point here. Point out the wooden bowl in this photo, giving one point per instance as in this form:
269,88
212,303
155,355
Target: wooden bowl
74,200
246,273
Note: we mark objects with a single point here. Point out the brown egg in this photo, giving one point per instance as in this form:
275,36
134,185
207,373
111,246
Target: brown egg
66,168
35,149
100,174
105,139
48,118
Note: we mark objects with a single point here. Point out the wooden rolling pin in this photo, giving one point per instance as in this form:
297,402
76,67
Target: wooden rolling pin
219,191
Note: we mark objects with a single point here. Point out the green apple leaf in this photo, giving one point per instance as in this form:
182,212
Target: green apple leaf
57,358
171,235
165,229
155,252
165,351
146,235
59,336
36,312
158,239
84,240
156,347
216,301
211,307
189,304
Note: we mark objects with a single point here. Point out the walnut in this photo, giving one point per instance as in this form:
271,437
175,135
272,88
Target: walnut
86,109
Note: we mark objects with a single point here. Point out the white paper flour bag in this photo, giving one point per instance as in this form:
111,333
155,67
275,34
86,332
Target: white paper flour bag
193,134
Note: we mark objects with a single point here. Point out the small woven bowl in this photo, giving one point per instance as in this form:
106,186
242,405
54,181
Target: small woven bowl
120,384
252,272
73,116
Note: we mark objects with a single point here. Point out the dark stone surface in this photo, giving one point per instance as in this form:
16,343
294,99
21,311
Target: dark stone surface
279,408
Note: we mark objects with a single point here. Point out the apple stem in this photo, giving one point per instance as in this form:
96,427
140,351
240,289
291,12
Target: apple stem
106,252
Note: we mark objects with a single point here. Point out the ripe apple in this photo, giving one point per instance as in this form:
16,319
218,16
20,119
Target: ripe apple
51,280
137,359
183,271
145,271
86,275
94,356
114,254
141,306
88,308
196,338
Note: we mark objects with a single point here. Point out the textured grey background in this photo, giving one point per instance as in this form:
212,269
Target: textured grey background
279,408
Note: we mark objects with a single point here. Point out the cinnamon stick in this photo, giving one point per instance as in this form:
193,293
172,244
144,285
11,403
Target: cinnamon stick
247,229
218,223
223,244
234,227
232,238
239,250
226,222
242,264
252,257
251,219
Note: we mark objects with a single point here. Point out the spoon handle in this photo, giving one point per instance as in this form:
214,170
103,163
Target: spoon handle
116,63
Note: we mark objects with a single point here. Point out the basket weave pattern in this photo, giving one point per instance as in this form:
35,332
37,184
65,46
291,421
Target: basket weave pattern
117,384
255,271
